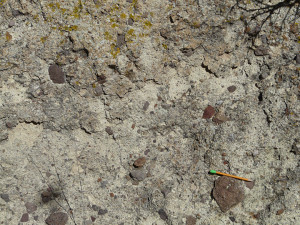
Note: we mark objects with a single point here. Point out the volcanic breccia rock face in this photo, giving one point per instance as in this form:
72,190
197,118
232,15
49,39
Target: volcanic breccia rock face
89,87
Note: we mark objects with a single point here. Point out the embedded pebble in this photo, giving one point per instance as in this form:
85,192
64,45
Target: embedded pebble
31,207
5,197
24,218
139,162
227,193
58,218
138,174
208,112
231,88
56,74
162,214
109,131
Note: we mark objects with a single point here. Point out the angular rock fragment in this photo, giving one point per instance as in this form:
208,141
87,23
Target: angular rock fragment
146,106
109,131
162,214
139,162
5,197
102,211
120,40
31,207
220,118
58,218
56,74
261,51
24,218
138,174
190,220
227,193
208,112
231,88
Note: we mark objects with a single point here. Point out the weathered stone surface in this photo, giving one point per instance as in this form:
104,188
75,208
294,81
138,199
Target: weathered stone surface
107,59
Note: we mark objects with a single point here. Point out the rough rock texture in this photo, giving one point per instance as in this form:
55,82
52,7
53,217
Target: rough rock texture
87,87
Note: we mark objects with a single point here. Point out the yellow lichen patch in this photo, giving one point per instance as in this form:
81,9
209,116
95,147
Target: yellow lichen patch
131,16
36,18
2,2
114,8
77,9
107,36
52,6
130,35
114,51
165,46
114,25
147,24
8,36
94,85
170,7
68,28
196,24
43,39
123,16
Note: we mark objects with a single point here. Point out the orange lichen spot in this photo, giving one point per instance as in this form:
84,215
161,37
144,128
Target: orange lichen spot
8,36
